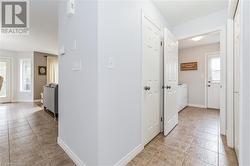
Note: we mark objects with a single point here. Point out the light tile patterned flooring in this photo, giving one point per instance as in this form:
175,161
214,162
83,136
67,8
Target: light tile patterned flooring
194,142
28,137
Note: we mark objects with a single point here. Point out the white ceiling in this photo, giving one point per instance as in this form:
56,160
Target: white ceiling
207,39
177,12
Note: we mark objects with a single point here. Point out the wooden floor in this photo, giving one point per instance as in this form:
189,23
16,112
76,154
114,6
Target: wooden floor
28,137
194,142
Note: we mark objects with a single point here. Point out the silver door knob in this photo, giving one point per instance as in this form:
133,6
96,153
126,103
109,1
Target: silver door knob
147,88
167,87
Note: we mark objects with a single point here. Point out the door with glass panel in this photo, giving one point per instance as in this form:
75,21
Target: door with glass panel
5,92
213,81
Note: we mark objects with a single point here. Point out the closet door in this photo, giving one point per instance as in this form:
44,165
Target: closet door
236,80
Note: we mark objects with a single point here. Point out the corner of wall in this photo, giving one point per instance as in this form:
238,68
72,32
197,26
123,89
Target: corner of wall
70,153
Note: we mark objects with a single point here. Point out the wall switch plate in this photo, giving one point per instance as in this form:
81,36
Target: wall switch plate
111,63
77,65
70,7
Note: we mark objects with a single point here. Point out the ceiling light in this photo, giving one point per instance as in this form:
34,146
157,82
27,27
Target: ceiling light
197,38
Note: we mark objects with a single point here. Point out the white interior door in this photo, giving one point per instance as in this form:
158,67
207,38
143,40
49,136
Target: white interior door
213,80
151,79
236,80
170,81
5,94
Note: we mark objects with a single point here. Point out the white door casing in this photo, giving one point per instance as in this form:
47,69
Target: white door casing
5,71
151,79
170,81
213,80
236,90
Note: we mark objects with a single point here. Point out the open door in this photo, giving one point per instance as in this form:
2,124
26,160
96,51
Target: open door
237,79
170,81
151,80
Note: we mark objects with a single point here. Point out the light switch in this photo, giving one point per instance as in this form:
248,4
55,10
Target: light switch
77,65
111,63
70,7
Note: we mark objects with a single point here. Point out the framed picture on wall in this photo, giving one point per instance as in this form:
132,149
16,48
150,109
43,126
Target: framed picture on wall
42,70
189,66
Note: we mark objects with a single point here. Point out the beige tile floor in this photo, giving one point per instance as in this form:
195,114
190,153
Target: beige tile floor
28,137
194,142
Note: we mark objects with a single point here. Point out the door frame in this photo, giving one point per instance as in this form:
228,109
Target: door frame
230,76
206,75
245,78
145,16
10,77
223,89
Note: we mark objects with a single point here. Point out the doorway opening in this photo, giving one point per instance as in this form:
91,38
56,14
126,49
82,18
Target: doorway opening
207,88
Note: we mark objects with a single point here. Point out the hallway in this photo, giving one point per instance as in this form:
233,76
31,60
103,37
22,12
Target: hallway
28,137
194,142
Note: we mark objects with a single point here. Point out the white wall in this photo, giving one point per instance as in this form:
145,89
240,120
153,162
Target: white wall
119,89
78,89
195,79
245,81
201,25
15,57
100,108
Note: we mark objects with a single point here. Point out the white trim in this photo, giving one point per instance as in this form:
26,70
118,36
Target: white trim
219,28
230,80
196,105
126,159
37,100
223,82
244,153
232,8
69,152
22,101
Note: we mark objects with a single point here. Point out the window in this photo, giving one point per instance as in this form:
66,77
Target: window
215,69
25,75
3,73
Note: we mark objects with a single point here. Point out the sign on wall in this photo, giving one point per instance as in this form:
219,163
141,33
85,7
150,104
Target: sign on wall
189,66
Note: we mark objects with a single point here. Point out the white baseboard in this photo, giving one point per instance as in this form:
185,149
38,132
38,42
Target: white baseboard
22,101
126,159
37,100
70,153
197,105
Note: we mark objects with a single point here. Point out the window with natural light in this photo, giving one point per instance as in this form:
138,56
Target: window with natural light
215,70
25,75
3,68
